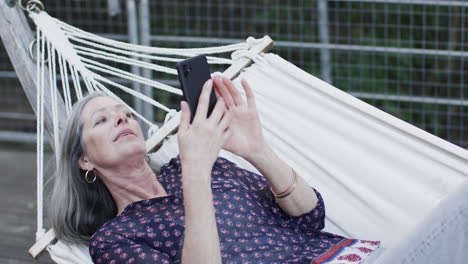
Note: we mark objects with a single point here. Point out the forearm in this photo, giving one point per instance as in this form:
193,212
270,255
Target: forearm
201,242
279,175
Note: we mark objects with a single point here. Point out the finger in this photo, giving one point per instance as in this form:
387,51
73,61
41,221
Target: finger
224,92
218,111
249,94
218,95
202,107
184,117
233,91
225,121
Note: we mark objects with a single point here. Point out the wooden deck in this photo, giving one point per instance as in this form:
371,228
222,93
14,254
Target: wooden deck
18,204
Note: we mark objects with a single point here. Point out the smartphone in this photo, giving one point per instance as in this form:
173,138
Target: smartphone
193,73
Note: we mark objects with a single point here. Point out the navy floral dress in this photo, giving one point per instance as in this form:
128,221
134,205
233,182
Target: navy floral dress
251,226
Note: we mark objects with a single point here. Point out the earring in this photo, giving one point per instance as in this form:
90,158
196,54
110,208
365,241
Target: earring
87,179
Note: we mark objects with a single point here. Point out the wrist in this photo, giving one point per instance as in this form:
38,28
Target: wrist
264,154
197,191
196,175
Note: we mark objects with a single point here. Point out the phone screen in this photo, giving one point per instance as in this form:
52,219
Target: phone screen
193,73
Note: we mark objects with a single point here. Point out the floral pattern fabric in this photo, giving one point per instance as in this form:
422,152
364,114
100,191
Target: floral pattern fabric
252,228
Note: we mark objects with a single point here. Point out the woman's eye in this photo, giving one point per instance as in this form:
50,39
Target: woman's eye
100,120
129,115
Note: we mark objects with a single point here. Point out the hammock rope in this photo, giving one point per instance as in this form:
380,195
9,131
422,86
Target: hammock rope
211,59
40,134
186,52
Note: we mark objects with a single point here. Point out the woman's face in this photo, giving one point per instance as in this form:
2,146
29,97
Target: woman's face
110,134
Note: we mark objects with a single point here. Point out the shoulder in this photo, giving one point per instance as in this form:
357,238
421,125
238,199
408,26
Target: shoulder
112,234
118,228
105,232
173,165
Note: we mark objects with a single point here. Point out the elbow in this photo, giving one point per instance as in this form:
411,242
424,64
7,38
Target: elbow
299,203
308,208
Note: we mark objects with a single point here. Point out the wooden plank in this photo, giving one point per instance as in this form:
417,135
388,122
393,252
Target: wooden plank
16,36
265,45
37,249
156,140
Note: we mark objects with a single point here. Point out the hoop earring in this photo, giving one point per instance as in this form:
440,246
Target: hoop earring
87,179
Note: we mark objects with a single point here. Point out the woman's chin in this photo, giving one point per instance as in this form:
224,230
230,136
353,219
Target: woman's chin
129,148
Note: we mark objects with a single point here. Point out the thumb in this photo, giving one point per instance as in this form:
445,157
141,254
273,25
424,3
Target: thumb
184,116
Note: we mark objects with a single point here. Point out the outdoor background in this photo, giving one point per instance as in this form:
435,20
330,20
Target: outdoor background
408,58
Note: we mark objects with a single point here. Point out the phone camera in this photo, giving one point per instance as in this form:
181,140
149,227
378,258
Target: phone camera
186,69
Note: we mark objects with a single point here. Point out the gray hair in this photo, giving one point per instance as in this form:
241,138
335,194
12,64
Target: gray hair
76,208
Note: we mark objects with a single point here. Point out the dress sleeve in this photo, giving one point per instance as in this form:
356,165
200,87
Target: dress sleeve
112,248
312,221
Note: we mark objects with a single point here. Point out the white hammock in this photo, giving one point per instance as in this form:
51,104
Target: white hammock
381,178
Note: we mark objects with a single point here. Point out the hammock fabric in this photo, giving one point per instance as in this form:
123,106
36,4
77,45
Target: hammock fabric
381,178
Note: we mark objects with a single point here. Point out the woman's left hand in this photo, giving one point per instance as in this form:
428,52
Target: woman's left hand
246,137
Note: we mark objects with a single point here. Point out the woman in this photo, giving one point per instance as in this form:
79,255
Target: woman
201,209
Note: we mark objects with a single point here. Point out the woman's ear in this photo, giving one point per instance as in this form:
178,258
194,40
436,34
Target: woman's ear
85,164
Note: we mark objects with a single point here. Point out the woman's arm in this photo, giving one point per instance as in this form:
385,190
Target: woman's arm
201,243
280,176
199,146
248,142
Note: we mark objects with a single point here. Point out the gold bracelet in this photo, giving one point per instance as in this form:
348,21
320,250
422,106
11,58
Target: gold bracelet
289,190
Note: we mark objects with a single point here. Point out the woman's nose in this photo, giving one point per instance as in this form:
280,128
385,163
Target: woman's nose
120,119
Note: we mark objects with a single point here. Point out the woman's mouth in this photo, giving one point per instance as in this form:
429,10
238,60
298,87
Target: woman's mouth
124,133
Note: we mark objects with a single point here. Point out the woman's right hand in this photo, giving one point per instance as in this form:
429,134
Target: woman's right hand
201,141
199,146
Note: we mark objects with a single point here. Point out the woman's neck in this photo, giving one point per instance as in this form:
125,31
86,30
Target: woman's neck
132,183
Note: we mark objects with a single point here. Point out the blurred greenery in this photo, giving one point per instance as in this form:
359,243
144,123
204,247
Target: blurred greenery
413,26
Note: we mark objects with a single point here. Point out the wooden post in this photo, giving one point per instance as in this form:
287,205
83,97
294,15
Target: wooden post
16,36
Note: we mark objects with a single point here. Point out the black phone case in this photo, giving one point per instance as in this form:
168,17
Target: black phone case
193,73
